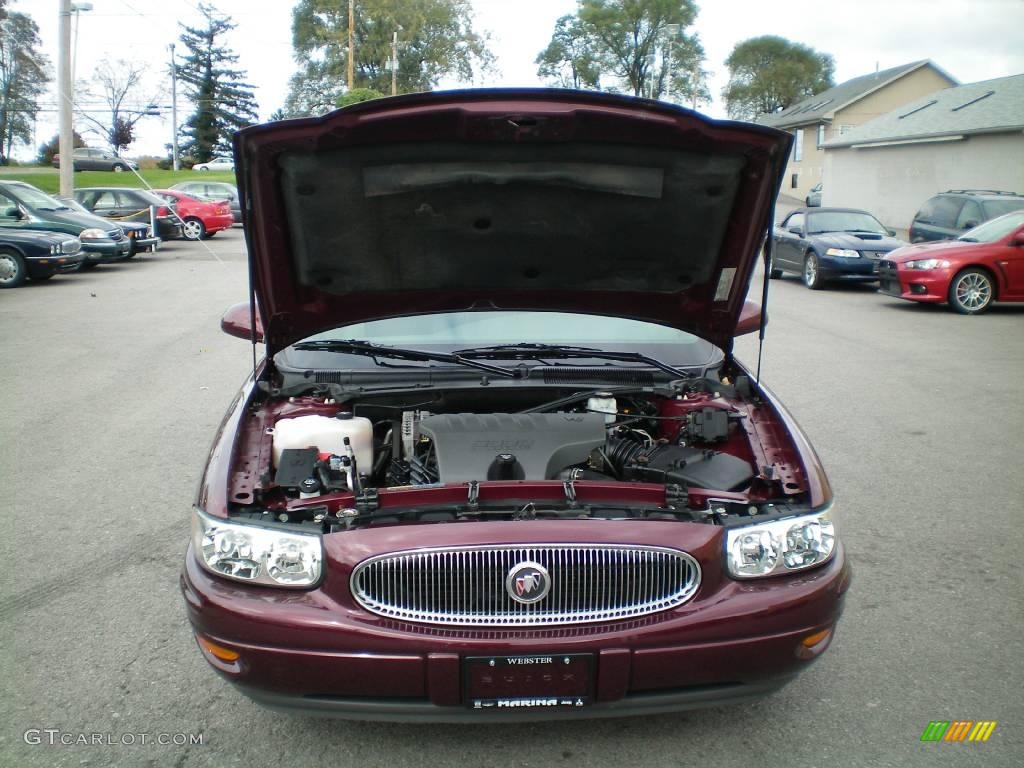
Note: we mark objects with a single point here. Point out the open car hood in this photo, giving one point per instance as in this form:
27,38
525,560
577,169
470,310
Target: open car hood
509,199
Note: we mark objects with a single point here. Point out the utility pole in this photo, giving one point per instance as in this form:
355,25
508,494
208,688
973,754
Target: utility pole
174,109
351,42
65,99
394,63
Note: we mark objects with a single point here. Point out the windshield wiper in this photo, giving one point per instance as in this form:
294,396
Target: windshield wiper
366,349
540,351
967,239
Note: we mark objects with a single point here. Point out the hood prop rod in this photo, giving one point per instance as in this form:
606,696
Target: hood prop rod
768,250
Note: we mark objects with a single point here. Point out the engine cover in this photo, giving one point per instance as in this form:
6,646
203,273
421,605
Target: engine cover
544,444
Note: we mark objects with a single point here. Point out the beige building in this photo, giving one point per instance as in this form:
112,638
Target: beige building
837,111
968,137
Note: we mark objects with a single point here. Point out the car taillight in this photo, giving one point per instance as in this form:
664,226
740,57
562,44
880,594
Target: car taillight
163,210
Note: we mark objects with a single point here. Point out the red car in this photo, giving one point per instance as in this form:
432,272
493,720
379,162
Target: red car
983,265
200,218
499,462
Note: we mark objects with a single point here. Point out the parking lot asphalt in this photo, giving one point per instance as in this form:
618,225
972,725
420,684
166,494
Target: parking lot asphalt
113,383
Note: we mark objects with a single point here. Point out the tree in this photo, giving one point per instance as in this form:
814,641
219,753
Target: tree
224,102
769,73
23,78
569,61
435,39
119,83
641,45
52,147
357,95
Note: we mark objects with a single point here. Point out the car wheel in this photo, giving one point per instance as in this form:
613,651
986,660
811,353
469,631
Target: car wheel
120,168
812,272
971,292
204,169
12,269
774,273
193,229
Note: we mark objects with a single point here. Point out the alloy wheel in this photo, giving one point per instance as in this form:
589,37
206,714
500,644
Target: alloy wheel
193,229
812,273
971,292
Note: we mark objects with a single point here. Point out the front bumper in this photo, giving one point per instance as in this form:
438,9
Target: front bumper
306,652
43,266
103,252
853,270
144,244
927,285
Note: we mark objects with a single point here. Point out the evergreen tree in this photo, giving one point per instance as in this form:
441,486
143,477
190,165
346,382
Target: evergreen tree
224,102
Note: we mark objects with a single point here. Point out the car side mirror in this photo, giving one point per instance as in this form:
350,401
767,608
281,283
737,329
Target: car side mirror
891,232
13,212
1017,239
749,320
971,224
237,321
795,230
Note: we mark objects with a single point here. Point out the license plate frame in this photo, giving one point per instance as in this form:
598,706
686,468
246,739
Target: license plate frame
536,681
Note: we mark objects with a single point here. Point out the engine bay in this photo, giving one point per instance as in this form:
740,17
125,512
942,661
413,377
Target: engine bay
672,449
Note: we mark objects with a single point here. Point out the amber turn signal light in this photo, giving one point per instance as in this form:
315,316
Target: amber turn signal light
217,651
814,644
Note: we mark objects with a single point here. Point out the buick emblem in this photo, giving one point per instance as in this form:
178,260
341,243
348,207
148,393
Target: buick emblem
528,582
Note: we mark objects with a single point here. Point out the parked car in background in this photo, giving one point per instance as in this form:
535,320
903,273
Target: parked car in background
949,214
23,206
214,190
823,244
983,265
602,513
36,255
216,164
89,159
120,204
201,218
813,198
141,235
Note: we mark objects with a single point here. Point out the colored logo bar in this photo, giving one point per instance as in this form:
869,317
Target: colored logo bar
958,730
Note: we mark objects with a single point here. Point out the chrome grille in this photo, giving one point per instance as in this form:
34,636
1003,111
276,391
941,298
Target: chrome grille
467,585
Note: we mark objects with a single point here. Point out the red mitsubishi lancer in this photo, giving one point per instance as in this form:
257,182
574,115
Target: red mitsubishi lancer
498,461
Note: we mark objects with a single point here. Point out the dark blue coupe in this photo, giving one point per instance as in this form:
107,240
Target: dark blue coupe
823,244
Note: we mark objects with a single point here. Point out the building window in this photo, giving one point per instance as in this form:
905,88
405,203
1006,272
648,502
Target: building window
795,181
821,135
798,145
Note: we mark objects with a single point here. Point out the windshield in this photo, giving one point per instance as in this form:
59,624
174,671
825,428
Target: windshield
994,230
33,198
843,221
459,330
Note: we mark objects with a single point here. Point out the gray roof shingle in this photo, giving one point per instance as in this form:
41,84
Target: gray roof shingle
990,106
822,105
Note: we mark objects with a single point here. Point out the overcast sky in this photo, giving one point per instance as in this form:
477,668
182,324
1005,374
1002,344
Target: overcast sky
970,39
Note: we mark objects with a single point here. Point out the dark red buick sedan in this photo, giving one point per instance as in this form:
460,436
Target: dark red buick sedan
499,461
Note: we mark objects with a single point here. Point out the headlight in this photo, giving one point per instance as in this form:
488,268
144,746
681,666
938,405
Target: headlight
780,546
92,234
257,555
71,246
843,253
926,264
55,248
